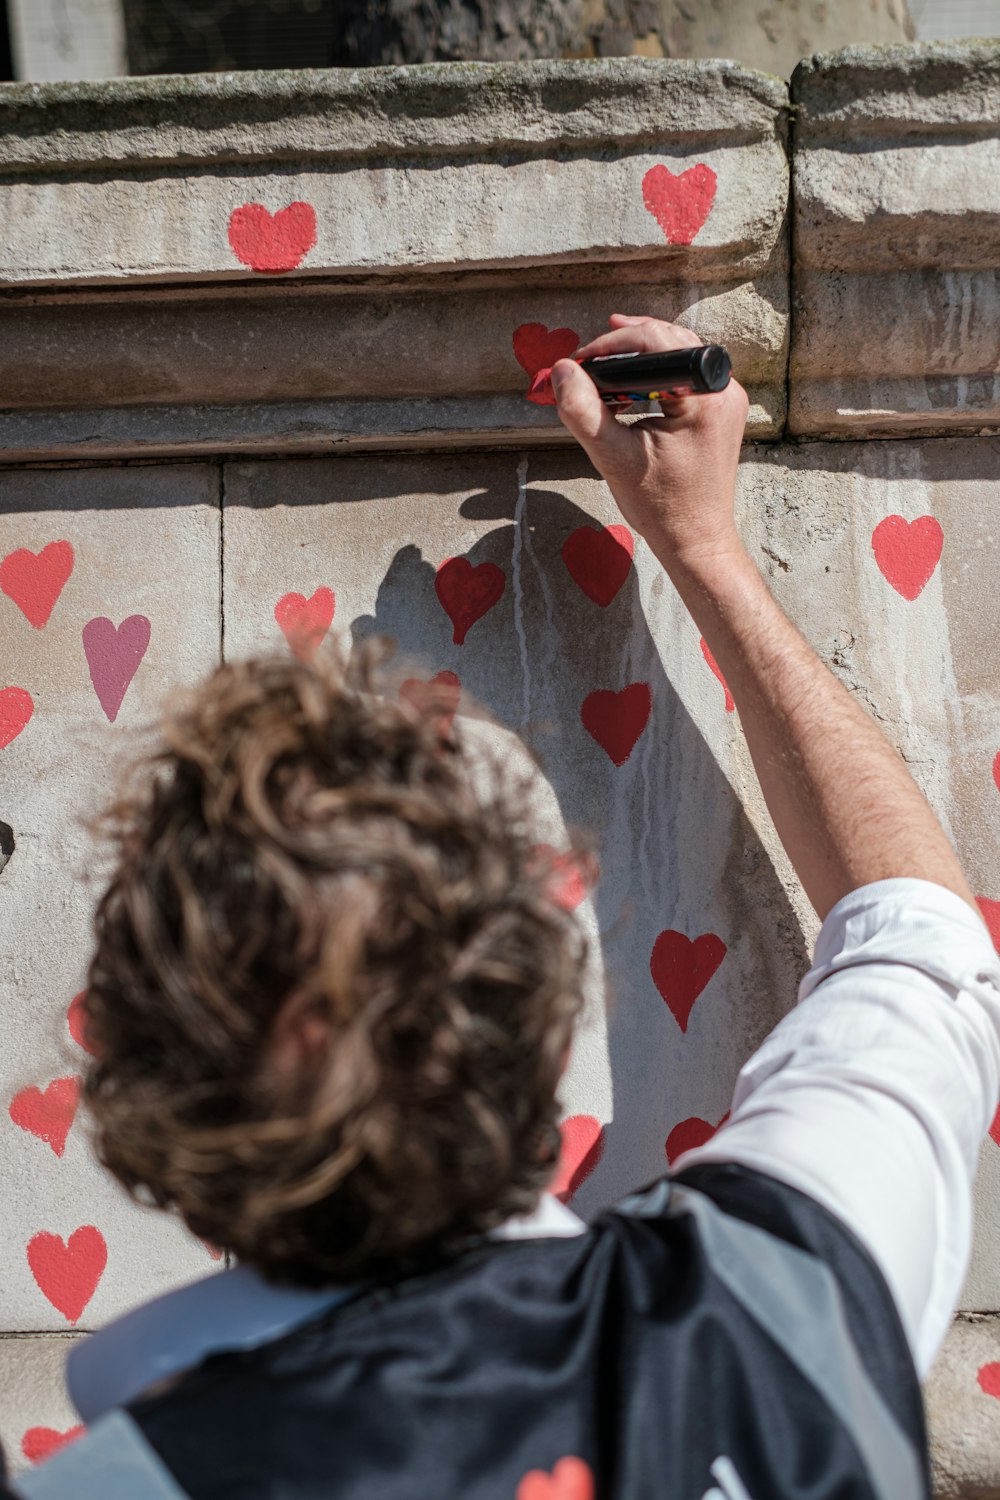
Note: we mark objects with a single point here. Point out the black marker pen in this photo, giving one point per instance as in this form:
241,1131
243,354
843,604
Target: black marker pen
658,377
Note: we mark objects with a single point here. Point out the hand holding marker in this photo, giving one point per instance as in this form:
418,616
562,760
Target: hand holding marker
623,378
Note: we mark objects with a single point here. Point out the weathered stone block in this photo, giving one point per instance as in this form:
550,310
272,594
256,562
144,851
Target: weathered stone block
963,1411
37,1416
109,597
897,215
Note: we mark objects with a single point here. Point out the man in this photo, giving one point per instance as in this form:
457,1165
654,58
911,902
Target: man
331,1000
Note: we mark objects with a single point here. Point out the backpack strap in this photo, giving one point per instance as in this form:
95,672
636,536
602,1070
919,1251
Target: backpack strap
793,1296
112,1461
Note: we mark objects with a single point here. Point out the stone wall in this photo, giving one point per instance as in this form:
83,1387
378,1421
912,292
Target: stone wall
264,342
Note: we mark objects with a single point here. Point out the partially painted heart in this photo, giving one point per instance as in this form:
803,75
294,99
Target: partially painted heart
713,664
582,1149
68,1271
616,720
272,243
536,346
598,559
16,708
681,968
76,1021
47,1113
305,622
988,1379
568,876
35,580
466,593
441,694
907,552
571,1479
680,202
991,916
113,656
39,1443
691,1133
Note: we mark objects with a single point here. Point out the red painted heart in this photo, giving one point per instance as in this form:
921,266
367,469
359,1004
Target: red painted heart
995,1127
68,1271
441,693
76,1021
691,1133
571,1479
679,203
582,1149
681,968
467,593
616,720
41,1442
991,916
570,875
989,1379
305,622
598,559
16,708
272,242
113,657
706,653
907,552
35,580
47,1113
535,345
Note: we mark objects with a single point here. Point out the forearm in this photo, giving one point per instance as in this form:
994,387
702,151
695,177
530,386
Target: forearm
844,805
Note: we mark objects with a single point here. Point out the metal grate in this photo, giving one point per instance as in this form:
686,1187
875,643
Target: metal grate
210,36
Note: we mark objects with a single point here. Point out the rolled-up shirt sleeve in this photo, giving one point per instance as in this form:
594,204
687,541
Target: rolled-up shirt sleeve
875,1093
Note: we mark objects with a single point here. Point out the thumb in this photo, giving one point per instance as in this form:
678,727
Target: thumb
583,413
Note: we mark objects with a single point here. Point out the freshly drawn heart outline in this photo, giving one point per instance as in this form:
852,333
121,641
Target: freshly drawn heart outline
76,1022
34,580
582,1149
991,916
443,692
272,243
679,202
305,622
616,720
907,552
598,559
16,709
39,1443
571,1479
67,1272
689,1133
536,346
988,1378
47,1113
466,593
706,653
113,657
681,968
571,874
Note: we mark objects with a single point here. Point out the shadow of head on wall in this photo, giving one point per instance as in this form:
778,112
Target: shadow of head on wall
675,848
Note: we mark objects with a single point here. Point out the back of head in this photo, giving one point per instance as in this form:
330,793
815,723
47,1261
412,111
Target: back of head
331,996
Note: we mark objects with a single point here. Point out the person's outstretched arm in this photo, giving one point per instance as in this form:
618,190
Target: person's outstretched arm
874,1094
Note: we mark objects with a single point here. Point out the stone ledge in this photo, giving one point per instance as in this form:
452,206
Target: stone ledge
963,1416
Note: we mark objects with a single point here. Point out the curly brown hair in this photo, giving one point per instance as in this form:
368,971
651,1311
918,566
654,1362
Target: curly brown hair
312,857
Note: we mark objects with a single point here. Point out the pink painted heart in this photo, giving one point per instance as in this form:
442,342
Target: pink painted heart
272,243
16,708
679,203
466,593
39,1443
996,770
441,693
536,346
681,968
598,559
991,916
113,656
582,1149
691,1133
47,1113
68,1271
570,875
706,653
571,1479
305,622
616,720
35,580
907,552
77,1022
988,1377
